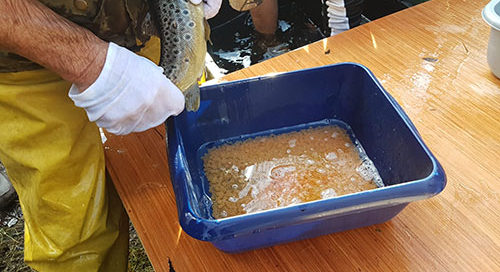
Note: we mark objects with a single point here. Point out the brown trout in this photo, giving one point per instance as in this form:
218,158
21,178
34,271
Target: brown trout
182,30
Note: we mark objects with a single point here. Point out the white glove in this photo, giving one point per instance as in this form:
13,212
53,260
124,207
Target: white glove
337,16
131,94
211,7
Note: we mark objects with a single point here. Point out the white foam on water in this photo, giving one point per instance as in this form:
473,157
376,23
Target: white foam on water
368,171
331,156
328,193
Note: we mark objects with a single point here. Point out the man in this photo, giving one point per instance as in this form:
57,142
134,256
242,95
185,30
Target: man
342,14
74,220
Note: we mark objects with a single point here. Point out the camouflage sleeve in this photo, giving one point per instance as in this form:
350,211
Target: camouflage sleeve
124,22
120,21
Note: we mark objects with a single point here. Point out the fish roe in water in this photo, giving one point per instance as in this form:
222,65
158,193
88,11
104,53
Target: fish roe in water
280,170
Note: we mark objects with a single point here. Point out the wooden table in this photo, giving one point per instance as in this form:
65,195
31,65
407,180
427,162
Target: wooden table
432,59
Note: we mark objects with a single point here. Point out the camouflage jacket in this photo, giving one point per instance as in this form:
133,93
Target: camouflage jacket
125,22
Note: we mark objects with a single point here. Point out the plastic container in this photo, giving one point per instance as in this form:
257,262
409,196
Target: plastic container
348,92
491,14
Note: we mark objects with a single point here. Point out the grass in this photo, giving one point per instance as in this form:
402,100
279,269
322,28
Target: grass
137,258
12,244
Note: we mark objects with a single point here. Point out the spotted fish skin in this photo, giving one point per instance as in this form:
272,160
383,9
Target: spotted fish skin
182,32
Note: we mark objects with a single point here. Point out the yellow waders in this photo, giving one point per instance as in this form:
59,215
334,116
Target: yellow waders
74,220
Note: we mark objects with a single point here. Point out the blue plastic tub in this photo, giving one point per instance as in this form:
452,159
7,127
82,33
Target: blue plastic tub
348,92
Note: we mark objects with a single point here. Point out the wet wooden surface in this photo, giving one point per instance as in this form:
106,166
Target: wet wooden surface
432,59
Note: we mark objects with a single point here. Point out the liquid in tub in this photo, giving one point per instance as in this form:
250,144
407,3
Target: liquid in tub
280,170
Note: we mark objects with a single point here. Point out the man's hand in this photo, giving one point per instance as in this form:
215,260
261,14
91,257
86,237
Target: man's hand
121,91
130,95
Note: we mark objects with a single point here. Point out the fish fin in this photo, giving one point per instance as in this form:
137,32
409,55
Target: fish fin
192,96
207,31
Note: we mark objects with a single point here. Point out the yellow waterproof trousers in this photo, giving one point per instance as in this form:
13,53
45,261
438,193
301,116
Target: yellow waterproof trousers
74,219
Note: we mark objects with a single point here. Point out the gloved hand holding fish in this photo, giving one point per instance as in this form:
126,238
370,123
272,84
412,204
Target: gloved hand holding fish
183,32
130,94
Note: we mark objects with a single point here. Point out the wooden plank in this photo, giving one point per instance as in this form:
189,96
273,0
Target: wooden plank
432,59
